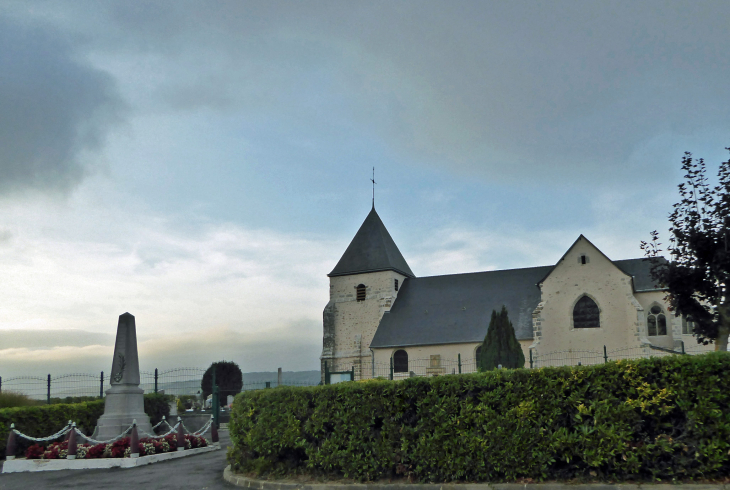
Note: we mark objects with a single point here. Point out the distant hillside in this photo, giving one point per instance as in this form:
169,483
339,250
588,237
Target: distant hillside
288,377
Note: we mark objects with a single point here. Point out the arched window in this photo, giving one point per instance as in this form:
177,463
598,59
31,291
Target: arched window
586,314
478,353
656,321
360,292
400,361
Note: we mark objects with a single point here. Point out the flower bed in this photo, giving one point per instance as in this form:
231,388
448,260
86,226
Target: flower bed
118,449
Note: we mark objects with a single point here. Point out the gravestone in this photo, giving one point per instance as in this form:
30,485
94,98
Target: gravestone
124,401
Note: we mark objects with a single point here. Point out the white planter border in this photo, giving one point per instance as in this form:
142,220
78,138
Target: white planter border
25,465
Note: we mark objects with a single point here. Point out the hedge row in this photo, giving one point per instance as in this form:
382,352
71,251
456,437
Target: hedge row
658,418
44,420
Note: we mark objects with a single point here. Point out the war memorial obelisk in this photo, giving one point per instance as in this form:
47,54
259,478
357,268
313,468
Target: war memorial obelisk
124,402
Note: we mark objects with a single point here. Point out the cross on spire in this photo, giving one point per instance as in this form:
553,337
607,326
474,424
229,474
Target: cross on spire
373,181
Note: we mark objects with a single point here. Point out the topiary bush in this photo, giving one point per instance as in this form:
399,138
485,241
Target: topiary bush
659,418
228,377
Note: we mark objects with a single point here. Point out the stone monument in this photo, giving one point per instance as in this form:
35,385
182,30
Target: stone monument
124,402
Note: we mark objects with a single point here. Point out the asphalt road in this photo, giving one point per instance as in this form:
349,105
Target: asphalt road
194,472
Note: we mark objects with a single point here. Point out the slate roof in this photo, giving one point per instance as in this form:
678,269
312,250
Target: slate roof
371,250
455,309
640,270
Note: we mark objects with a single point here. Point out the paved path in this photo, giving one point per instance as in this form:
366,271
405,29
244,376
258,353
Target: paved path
195,472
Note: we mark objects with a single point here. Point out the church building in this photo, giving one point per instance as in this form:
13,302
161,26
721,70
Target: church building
382,320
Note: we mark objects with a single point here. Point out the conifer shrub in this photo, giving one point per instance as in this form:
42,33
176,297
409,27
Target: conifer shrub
500,346
659,418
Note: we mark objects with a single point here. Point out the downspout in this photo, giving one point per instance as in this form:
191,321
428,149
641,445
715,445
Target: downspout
372,363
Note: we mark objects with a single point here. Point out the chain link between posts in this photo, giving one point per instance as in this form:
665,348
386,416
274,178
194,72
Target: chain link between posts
58,434
70,426
108,441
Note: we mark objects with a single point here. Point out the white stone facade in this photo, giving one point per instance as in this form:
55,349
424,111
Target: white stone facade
583,271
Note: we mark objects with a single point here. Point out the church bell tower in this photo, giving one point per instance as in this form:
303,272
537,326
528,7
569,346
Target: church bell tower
363,286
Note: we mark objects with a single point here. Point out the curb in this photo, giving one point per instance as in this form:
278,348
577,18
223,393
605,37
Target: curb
245,482
32,465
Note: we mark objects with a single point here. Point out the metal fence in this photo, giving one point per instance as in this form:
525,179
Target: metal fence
366,369
179,381
589,357
261,385
187,381
437,366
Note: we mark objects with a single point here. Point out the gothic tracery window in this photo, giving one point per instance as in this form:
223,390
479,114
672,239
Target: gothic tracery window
656,321
586,314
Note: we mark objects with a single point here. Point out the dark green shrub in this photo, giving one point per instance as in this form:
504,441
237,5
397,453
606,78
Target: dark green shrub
157,406
73,399
228,377
186,402
500,346
658,418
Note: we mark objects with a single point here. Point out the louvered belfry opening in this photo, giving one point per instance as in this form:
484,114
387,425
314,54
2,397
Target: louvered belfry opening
360,292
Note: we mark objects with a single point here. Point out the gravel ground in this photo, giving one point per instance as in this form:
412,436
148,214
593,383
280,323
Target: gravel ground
194,472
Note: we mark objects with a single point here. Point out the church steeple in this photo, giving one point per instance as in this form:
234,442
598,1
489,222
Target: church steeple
372,250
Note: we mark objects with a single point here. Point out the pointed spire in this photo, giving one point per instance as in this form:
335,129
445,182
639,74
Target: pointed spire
371,250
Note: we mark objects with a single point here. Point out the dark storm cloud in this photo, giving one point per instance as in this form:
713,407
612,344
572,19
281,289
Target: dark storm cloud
52,108
552,87
521,90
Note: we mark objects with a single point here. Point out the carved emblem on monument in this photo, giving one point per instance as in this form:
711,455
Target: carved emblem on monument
117,377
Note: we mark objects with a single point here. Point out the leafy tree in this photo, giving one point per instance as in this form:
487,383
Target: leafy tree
500,345
697,276
228,377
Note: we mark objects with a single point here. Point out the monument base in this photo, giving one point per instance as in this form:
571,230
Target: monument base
123,404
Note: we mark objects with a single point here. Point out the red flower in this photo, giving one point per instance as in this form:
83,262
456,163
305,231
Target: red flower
34,452
118,447
171,439
95,451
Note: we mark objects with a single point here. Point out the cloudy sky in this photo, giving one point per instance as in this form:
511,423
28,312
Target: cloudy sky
203,165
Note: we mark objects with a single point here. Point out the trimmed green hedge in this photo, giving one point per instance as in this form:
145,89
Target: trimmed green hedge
658,418
44,420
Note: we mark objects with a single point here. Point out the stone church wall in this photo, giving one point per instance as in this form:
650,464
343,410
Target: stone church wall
620,313
349,325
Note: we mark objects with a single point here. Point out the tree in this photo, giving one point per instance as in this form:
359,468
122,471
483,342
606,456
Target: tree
697,276
228,377
500,345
